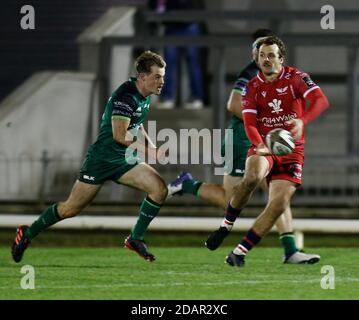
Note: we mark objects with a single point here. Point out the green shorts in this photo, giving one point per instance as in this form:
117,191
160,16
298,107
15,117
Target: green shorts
97,171
235,167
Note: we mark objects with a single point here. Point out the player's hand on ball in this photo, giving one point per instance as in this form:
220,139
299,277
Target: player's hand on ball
296,128
262,150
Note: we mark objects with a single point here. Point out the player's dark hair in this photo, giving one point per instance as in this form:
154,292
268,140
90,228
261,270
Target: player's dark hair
148,59
260,33
274,40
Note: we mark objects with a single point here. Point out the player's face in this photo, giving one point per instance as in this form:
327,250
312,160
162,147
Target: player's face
269,59
255,50
154,80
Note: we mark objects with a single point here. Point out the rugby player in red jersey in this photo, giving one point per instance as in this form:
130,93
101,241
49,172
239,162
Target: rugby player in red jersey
276,98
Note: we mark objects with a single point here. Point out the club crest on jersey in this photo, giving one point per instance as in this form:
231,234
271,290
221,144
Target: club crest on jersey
275,105
282,91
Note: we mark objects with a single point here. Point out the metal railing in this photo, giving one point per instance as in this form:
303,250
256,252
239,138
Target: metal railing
326,181
36,178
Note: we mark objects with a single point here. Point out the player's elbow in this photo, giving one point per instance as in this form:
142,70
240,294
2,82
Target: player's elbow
323,103
230,106
124,140
326,102
118,140
321,99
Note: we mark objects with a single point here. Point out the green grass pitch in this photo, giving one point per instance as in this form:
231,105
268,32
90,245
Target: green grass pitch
178,273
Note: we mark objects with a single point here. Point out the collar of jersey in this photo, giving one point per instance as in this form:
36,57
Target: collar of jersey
261,77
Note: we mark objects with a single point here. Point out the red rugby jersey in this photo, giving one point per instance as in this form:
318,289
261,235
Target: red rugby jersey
268,105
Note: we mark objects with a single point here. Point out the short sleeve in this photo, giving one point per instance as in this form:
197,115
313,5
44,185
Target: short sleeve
123,107
304,84
240,86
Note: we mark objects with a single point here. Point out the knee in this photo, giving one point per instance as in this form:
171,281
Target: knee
251,180
160,192
163,191
67,211
278,206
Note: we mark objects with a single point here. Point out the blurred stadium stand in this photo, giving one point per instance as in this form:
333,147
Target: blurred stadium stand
94,41
52,45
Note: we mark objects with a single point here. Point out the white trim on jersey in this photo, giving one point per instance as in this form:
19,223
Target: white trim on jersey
281,76
259,77
310,90
249,111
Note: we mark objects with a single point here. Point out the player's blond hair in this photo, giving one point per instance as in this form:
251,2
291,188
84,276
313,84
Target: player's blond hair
148,59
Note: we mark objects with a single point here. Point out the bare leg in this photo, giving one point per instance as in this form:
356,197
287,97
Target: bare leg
143,177
213,193
217,194
80,197
280,194
256,170
284,223
229,183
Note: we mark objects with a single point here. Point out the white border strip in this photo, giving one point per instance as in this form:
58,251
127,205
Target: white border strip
250,111
309,90
180,223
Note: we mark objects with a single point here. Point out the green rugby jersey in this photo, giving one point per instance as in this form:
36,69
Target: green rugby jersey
240,86
240,139
126,102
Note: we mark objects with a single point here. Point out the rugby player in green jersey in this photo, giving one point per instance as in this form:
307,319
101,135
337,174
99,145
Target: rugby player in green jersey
108,159
219,195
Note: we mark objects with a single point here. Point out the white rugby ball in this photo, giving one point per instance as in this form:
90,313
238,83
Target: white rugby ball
280,142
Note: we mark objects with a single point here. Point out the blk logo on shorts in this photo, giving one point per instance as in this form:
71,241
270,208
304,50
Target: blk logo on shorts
90,178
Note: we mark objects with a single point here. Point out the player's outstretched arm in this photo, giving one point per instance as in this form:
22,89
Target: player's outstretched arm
318,103
250,125
152,149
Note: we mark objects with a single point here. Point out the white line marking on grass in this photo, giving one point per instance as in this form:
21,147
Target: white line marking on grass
179,284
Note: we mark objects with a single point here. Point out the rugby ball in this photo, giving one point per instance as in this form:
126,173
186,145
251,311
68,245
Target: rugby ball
280,142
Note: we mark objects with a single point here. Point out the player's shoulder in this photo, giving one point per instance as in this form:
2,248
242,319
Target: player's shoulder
128,88
292,72
126,93
300,77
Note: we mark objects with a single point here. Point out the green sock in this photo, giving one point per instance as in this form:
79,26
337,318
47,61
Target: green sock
49,217
288,243
191,186
148,212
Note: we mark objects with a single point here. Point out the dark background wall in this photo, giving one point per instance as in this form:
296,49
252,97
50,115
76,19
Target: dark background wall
52,45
